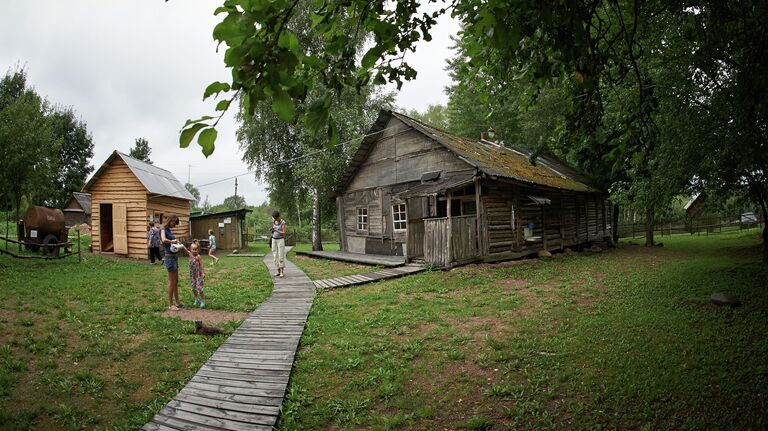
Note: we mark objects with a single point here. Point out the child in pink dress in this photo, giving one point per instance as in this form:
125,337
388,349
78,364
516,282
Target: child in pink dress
196,274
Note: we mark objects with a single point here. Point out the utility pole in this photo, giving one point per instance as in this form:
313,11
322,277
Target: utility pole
189,174
235,187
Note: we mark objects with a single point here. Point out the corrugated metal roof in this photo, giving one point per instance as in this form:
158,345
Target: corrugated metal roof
156,180
220,213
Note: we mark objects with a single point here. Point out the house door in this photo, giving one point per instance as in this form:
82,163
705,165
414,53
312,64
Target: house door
106,243
119,226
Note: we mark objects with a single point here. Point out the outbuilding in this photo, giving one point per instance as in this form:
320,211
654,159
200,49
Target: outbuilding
228,226
77,210
416,191
127,194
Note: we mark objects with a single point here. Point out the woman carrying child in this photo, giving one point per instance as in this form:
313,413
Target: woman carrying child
171,261
196,274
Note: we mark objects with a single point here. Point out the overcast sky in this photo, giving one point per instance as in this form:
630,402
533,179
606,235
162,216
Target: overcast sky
138,68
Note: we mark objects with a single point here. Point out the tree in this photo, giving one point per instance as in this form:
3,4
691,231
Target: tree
141,150
299,168
601,58
27,146
728,112
75,152
434,115
235,202
196,193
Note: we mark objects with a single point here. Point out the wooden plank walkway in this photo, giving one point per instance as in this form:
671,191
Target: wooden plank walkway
241,386
352,280
367,259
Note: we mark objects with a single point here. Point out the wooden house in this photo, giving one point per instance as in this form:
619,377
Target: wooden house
126,194
417,191
228,226
78,209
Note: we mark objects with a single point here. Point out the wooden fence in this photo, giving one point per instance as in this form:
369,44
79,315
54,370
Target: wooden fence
693,226
459,232
48,251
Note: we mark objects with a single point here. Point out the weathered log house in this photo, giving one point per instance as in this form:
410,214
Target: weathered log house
420,192
126,194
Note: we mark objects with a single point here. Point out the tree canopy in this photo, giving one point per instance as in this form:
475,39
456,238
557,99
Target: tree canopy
614,86
141,150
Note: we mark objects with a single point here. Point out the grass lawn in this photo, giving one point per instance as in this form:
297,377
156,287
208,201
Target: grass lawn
85,346
625,339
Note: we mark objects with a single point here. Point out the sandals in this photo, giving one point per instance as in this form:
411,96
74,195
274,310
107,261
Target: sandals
173,308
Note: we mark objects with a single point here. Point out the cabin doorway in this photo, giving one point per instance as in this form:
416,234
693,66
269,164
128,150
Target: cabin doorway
106,240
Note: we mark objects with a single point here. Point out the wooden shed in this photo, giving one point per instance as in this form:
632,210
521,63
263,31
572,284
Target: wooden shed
420,192
126,194
228,226
78,209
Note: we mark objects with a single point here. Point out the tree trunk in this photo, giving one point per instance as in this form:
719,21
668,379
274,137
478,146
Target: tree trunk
18,217
763,206
649,227
758,190
317,244
765,239
615,224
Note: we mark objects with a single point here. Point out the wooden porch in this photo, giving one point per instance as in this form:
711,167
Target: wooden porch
366,259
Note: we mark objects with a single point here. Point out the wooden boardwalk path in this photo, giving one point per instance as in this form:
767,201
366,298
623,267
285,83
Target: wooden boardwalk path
352,280
367,259
241,386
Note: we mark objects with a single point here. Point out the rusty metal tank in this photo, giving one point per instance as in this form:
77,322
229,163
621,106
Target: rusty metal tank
44,225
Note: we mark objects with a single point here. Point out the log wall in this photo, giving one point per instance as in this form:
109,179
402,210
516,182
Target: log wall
118,185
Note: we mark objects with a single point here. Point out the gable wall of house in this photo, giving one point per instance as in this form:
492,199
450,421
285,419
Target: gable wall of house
118,185
400,155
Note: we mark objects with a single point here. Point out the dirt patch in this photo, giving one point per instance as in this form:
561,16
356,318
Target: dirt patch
136,342
213,316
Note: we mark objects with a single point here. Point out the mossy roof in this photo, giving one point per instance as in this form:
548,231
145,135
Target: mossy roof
492,159
506,162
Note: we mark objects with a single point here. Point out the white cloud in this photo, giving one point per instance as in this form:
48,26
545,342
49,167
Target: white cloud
135,69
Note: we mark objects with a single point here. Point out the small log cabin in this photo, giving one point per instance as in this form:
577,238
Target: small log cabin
78,209
417,191
126,194
228,226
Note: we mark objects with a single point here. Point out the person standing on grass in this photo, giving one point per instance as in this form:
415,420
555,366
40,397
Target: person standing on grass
212,246
278,243
171,261
196,274
153,242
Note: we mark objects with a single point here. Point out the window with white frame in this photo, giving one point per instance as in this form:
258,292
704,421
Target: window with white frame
399,216
362,219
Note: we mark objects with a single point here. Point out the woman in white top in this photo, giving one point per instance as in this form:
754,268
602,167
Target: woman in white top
278,243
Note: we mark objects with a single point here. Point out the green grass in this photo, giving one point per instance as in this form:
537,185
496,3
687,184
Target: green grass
625,339
85,346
